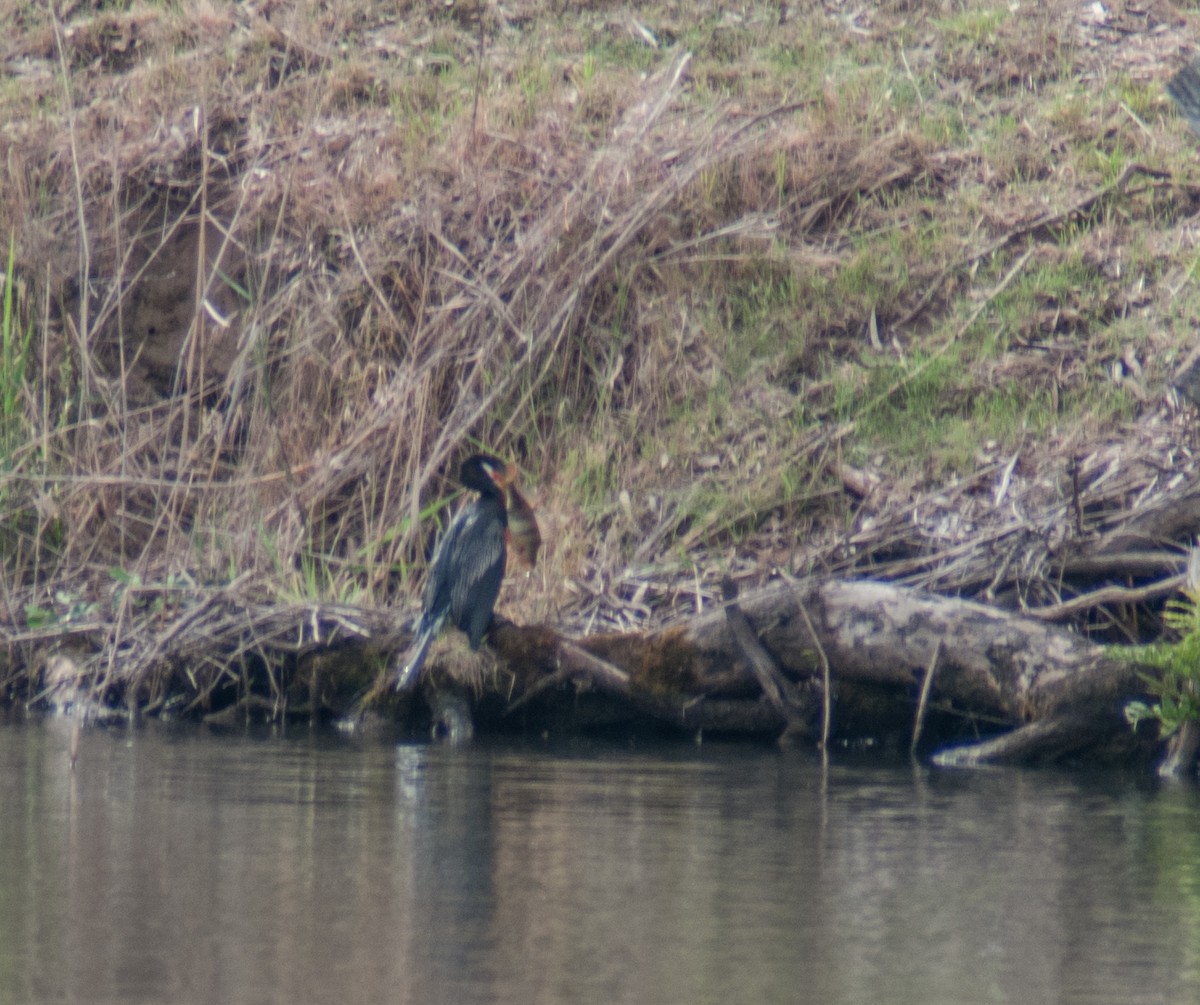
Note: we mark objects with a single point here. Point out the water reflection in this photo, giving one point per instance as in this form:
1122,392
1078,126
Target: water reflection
181,867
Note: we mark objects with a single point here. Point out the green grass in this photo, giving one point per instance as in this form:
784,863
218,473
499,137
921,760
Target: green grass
593,478
16,332
618,53
27,538
976,26
1141,97
926,413
430,100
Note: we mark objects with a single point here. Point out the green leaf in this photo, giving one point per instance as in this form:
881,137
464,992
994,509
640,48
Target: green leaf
38,617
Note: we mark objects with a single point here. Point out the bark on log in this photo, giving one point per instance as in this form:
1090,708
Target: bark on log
993,662
992,666
1172,518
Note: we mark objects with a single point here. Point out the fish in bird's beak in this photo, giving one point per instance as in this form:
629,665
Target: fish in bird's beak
524,535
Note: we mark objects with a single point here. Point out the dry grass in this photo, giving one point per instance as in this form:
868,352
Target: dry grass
695,271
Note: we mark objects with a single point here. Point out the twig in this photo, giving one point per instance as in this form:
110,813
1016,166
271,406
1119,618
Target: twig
577,664
1005,480
478,81
1042,740
1076,507
592,668
560,676
826,681
923,701
1181,751
1123,563
1107,595
775,686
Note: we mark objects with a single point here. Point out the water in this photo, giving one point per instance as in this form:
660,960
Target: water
181,867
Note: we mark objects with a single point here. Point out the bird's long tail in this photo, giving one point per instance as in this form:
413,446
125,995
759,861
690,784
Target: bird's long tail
410,675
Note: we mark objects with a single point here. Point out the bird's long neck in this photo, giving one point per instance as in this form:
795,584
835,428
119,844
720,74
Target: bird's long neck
494,501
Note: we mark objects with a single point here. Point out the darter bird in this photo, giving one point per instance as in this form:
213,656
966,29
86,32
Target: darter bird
468,565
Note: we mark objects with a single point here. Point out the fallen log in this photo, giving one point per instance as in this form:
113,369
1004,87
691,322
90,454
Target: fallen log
1052,694
991,666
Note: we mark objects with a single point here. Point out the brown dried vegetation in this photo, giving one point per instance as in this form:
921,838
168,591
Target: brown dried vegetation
284,263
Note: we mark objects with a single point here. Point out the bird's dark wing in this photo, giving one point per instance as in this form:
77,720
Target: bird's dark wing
463,580
467,568
481,569
435,603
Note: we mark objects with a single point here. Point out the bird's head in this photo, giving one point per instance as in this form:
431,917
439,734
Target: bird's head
484,474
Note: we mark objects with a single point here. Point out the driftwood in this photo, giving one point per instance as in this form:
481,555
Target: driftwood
1021,689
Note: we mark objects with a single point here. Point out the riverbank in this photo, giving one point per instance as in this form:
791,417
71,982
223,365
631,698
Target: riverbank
892,293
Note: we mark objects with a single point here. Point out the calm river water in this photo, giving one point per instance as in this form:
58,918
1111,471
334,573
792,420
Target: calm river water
182,867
